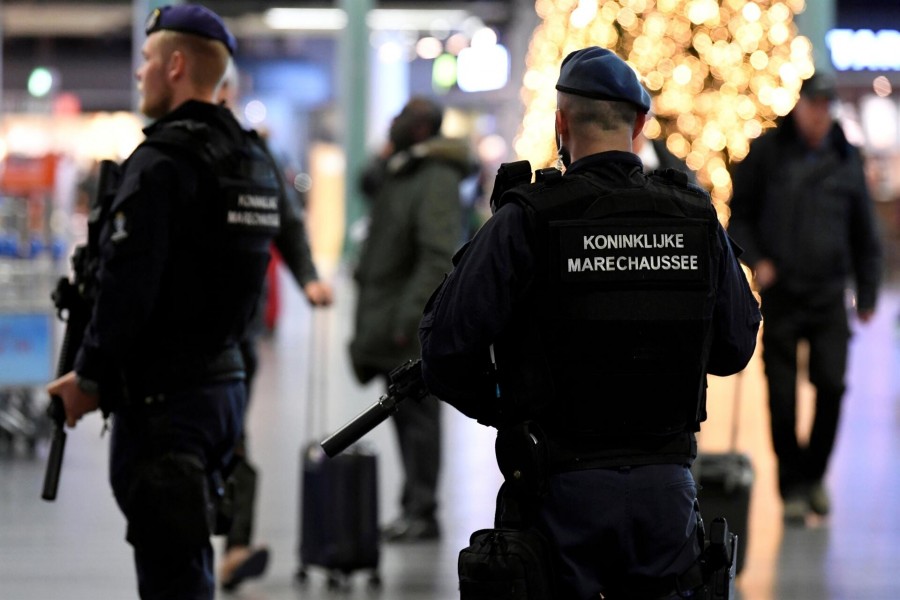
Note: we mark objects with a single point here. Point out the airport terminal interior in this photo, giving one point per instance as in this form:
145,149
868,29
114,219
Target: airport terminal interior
74,548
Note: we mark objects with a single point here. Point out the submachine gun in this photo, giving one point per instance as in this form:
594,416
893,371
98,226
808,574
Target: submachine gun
74,302
404,383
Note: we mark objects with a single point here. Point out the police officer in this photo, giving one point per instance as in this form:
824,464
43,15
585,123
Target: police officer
591,307
184,249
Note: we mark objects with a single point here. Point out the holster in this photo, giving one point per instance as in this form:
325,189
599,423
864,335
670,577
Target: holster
522,457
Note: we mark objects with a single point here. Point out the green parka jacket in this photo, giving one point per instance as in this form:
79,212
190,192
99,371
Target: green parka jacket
415,227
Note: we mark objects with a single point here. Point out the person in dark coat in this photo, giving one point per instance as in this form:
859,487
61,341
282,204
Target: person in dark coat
802,212
414,229
581,322
243,559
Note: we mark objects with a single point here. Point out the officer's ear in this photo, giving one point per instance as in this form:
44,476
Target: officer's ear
562,126
639,121
177,65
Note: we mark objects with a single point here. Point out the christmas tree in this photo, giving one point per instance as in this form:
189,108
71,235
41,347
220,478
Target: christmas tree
720,72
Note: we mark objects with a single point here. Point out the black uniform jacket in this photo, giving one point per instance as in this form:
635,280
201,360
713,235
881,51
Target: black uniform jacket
176,284
477,300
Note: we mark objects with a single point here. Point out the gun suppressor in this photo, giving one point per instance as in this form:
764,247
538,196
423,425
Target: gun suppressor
365,422
57,448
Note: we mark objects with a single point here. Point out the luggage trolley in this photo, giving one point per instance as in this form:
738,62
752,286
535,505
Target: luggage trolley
27,348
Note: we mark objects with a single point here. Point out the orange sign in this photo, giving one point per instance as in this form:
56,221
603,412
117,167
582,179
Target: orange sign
23,175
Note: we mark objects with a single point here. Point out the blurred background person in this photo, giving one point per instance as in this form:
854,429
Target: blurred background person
242,559
802,212
415,227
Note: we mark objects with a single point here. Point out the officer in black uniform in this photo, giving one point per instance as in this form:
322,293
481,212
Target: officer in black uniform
584,317
184,248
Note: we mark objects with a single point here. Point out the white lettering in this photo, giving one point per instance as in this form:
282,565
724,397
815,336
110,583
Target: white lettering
633,240
609,264
259,202
864,49
253,219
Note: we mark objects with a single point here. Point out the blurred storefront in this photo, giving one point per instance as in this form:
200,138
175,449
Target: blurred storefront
68,88
68,85
863,48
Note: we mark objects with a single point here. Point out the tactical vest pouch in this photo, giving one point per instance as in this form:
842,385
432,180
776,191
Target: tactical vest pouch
506,564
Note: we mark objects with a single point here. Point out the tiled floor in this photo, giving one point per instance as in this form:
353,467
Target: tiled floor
74,549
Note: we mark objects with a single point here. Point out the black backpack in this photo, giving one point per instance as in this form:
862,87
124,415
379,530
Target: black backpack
506,564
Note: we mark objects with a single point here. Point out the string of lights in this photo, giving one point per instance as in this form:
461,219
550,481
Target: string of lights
720,73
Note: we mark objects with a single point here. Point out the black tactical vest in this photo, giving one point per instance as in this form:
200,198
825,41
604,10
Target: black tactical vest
220,244
613,348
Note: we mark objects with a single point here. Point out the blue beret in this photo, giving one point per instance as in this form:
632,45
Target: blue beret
193,19
599,74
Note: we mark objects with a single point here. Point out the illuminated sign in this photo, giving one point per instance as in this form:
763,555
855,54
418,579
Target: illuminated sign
864,49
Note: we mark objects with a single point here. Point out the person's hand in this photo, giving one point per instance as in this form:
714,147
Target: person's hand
386,150
765,273
318,293
76,401
865,315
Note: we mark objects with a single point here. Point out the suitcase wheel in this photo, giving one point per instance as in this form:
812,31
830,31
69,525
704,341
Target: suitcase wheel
301,575
375,581
337,580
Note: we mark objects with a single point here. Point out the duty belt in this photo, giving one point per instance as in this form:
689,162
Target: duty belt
178,372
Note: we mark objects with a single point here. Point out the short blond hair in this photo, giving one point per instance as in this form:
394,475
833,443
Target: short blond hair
603,115
207,59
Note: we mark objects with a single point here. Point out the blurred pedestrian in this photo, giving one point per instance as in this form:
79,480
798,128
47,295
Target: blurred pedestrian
242,558
415,228
802,212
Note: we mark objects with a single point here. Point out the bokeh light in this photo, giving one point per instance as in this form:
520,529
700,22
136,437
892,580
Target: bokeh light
720,72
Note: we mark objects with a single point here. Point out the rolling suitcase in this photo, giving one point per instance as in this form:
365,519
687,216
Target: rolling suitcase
339,514
724,481
338,522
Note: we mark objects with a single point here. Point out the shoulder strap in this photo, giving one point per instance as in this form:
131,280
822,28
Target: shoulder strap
193,137
675,176
546,196
208,144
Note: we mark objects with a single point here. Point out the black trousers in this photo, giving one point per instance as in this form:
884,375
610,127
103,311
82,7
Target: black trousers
203,422
621,530
822,322
418,428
